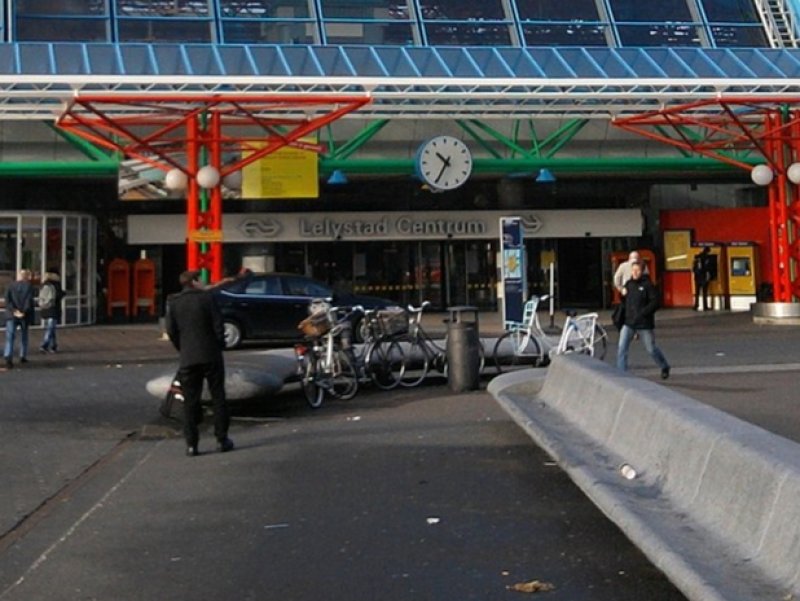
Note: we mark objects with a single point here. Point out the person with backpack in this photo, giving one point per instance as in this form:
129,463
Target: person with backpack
50,296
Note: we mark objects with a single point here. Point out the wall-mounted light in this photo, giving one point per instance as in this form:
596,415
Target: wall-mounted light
545,176
337,178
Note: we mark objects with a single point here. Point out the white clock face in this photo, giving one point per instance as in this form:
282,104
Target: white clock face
444,162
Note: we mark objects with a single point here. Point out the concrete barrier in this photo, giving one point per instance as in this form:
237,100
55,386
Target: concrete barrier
713,501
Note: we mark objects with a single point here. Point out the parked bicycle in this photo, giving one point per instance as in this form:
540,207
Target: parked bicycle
526,344
422,352
380,359
325,368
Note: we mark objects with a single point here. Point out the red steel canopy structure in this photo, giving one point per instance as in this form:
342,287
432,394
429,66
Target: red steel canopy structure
729,127
190,132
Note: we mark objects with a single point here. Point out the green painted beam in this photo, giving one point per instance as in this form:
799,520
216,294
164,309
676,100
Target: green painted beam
638,165
84,146
45,169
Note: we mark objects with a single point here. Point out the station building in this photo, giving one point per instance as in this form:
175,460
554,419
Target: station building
535,89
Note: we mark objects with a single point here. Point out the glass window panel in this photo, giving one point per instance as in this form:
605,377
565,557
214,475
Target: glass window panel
61,7
663,10
32,247
369,33
467,10
168,30
249,9
458,34
731,11
53,30
742,37
163,8
558,10
54,237
564,35
364,9
271,32
659,35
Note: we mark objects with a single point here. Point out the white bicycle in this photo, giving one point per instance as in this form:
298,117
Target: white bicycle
526,344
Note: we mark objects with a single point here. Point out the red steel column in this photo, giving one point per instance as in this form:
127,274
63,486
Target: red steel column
192,194
214,220
793,222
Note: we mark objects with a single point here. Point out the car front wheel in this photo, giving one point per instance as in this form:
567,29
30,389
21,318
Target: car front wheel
233,334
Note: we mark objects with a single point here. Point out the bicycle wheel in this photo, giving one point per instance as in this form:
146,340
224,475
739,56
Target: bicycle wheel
385,363
416,364
312,390
344,379
600,342
516,349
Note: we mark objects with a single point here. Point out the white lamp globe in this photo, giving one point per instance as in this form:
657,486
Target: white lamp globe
176,179
208,177
793,173
762,175
233,181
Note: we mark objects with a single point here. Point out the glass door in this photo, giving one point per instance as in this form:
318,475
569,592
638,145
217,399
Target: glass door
428,274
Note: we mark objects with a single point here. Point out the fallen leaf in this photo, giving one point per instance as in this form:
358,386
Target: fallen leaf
534,586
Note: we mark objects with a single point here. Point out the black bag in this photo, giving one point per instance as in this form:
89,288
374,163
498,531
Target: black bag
618,316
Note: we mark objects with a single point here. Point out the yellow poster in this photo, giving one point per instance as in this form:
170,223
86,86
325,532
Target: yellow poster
286,173
677,244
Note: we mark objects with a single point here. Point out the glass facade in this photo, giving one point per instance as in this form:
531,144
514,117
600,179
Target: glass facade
53,241
706,23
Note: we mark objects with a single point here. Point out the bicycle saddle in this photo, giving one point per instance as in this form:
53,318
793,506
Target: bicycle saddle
570,312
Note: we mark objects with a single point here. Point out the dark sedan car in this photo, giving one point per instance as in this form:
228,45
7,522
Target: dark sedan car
268,306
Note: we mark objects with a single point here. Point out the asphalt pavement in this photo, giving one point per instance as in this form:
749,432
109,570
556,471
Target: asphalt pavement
418,493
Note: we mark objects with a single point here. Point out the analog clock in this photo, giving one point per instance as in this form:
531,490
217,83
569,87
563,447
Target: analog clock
444,163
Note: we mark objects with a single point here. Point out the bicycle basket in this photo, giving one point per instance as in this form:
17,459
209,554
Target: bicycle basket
315,325
392,321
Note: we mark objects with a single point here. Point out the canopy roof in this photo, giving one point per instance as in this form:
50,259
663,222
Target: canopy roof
37,79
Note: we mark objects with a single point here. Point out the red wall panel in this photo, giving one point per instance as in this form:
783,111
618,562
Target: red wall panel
715,225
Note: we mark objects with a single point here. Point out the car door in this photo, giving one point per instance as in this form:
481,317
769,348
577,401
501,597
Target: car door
246,302
274,316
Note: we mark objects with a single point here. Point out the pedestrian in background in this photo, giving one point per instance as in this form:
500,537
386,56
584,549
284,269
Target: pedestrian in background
195,327
641,303
50,296
703,270
19,314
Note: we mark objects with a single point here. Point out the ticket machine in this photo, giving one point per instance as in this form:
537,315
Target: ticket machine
742,267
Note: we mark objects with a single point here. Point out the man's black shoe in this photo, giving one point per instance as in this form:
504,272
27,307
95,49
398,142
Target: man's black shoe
192,452
9,363
665,373
23,360
225,445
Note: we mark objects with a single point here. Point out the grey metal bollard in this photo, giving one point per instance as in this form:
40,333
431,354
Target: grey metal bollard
463,349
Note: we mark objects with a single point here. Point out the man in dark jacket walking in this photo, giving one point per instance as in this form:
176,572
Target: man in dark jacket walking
195,327
641,302
19,314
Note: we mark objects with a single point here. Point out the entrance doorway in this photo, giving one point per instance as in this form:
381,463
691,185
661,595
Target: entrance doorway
580,271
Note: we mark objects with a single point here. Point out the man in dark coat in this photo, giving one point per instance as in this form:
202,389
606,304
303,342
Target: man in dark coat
641,303
19,314
195,327
703,270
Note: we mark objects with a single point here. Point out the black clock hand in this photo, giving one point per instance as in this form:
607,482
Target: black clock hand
445,165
